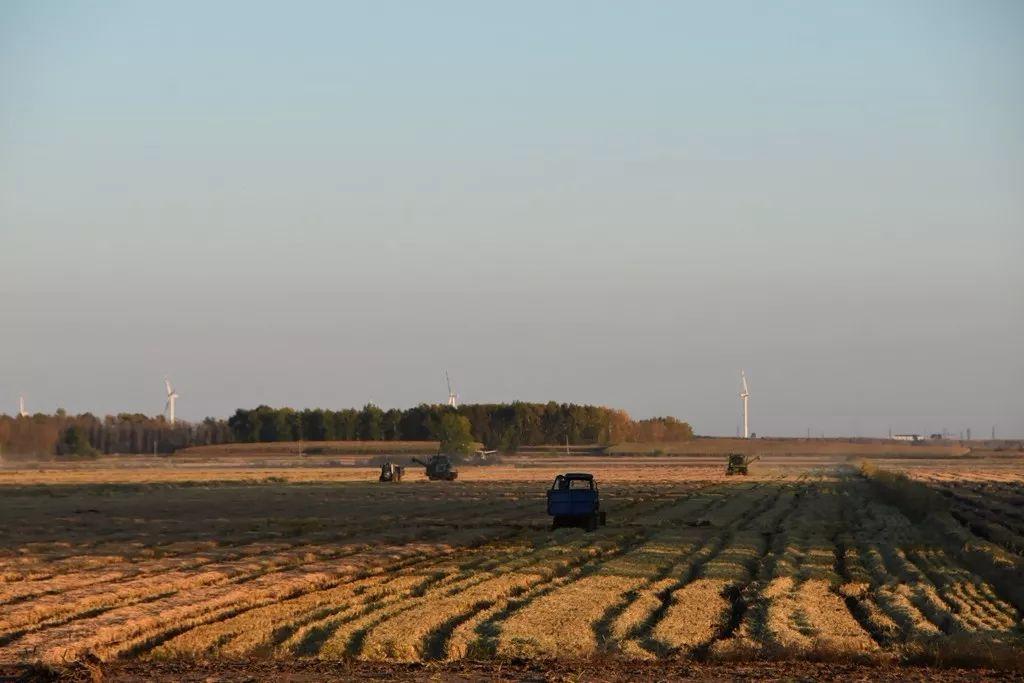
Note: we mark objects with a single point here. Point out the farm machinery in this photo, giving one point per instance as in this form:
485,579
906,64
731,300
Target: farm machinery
573,501
391,472
439,468
738,463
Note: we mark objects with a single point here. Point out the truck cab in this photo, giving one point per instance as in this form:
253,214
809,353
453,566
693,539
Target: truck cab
573,500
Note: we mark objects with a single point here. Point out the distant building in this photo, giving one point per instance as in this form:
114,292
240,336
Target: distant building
908,437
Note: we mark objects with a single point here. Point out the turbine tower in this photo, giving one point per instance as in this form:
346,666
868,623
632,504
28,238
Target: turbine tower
171,396
21,407
745,396
453,398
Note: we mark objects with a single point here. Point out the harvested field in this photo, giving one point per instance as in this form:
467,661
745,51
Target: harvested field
805,560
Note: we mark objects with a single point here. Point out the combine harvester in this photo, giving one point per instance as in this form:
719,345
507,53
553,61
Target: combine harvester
738,464
439,468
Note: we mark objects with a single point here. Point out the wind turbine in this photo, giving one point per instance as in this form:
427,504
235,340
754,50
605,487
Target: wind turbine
171,396
21,407
745,396
453,398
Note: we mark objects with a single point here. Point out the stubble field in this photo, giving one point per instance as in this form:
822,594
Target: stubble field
805,560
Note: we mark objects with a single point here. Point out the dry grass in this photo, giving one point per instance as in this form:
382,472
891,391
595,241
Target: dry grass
207,560
315,447
833,626
561,624
864,448
697,612
407,635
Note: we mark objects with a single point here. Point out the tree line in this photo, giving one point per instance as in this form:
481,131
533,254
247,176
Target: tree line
505,426
87,434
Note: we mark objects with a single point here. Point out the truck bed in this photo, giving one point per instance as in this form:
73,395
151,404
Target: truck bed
571,502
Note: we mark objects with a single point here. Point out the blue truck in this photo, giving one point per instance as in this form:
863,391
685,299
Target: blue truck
573,501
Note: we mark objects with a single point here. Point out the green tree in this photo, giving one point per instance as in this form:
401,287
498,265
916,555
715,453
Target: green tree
75,441
371,421
455,434
315,425
391,425
346,424
244,426
275,424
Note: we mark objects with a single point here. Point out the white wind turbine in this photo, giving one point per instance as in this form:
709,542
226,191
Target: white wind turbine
21,407
453,398
171,396
745,396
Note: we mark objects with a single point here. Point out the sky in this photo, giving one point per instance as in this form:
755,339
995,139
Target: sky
330,203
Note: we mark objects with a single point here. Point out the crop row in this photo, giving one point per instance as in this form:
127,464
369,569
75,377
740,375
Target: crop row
821,565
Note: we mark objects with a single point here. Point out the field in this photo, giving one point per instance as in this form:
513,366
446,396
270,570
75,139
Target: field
163,565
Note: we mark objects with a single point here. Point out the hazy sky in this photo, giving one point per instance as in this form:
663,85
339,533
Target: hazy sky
321,204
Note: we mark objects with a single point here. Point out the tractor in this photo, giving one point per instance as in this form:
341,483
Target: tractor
439,468
573,501
391,472
738,463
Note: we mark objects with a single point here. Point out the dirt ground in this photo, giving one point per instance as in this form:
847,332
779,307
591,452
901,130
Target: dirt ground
596,672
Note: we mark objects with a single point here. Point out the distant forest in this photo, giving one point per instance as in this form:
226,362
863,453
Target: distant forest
505,426
86,434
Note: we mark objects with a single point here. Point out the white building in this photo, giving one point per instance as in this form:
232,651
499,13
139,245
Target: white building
908,437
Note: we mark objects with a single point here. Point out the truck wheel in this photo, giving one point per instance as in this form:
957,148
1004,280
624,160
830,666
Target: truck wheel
603,518
592,522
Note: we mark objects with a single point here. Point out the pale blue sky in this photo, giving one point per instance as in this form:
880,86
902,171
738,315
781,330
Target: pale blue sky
320,204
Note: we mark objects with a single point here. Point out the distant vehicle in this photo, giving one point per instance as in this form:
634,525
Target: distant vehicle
391,472
738,463
573,501
439,468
